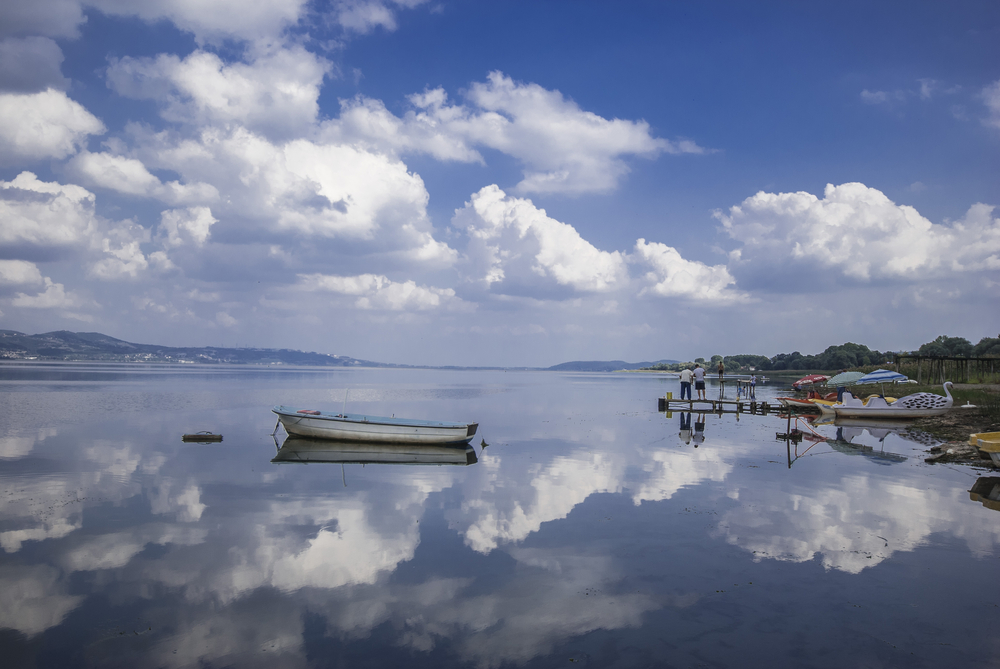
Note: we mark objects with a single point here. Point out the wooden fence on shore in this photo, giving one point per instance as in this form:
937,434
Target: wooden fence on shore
938,369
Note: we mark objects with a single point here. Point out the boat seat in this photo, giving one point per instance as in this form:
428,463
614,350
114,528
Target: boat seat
850,400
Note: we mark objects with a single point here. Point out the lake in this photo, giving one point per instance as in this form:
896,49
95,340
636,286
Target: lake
590,531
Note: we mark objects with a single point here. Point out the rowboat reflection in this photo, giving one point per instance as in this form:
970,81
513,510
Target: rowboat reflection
302,450
986,489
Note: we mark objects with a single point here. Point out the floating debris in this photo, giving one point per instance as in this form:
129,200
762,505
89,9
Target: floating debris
202,438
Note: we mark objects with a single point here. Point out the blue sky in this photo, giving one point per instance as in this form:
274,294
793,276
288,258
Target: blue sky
507,183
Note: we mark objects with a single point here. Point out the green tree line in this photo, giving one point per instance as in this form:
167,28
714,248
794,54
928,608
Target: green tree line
844,356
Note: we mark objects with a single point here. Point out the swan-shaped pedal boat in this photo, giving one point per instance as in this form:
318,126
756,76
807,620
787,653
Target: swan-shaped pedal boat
917,405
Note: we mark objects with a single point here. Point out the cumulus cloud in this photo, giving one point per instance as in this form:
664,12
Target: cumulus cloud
510,239
363,16
19,272
670,275
43,125
43,214
55,296
122,253
179,227
213,20
275,94
861,234
130,176
564,149
516,247
313,189
378,292
30,65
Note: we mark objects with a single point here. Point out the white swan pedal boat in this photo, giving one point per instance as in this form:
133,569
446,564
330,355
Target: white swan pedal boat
917,405
371,429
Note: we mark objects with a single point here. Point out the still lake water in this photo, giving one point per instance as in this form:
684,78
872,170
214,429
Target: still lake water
591,531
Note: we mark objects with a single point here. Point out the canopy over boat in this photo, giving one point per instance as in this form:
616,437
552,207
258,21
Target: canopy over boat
809,379
882,376
844,379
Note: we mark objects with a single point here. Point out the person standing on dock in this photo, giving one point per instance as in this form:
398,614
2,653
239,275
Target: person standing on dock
722,370
699,380
686,376
753,386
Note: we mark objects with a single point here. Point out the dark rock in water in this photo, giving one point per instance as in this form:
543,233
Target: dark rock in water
960,452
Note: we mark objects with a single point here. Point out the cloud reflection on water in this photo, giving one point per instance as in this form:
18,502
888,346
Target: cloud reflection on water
236,561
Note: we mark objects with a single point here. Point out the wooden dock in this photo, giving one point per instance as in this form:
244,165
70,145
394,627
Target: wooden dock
717,406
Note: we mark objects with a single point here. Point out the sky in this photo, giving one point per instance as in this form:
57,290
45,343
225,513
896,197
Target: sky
515,183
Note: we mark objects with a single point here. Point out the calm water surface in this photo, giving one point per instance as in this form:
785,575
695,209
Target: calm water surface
592,531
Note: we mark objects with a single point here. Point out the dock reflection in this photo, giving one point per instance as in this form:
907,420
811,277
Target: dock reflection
302,450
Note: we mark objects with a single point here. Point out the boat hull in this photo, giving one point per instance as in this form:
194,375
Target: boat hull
372,429
886,412
800,405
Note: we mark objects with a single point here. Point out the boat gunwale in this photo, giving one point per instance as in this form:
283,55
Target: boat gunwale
364,419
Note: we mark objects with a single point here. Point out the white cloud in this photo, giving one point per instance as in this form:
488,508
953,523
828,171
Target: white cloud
363,16
43,213
185,226
860,233
378,292
673,276
18,272
213,20
312,189
511,239
51,18
43,125
991,96
122,253
130,176
564,149
440,130
55,296
30,64
275,94
882,97
225,320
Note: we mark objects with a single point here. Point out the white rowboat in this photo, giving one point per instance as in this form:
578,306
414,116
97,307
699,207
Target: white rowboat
371,429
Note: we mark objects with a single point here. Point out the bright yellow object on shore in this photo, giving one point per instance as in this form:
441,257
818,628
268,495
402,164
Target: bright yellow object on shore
987,441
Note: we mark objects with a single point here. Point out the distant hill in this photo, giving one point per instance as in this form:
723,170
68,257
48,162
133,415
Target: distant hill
65,345
603,365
